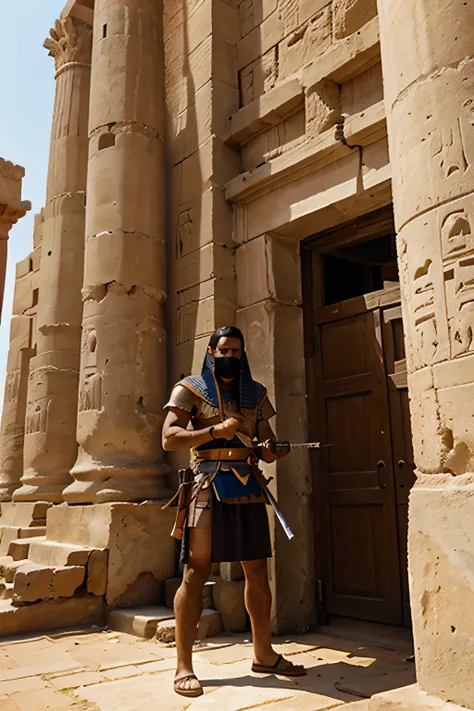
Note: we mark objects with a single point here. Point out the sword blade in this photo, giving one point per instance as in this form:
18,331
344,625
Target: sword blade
310,445
279,515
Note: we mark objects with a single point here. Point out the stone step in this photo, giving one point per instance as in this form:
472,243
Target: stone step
8,567
33,582
50,615
58,554
19,548
171,588
139,621
24,513
12,533
6,590
210,625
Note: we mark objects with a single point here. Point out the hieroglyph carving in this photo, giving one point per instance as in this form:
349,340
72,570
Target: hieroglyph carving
90,396
457,243
70,43
423,305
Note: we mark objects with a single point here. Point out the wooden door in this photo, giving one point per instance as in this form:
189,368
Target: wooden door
357,530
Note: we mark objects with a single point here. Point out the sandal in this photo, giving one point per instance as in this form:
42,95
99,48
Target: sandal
278,668
188,692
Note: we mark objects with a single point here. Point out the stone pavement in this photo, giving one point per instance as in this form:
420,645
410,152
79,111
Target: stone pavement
111,671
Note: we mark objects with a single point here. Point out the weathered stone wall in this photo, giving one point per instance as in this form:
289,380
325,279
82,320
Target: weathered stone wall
22,347
201,93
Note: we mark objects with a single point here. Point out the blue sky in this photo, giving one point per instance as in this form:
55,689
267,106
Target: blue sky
25,123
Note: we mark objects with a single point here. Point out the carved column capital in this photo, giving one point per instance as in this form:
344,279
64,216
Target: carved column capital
70,43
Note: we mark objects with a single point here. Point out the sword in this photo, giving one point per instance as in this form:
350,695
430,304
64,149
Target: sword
273,503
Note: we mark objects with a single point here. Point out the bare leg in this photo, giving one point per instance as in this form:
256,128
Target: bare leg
258,601
188,601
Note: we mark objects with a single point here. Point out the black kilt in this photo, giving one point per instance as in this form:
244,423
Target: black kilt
240,532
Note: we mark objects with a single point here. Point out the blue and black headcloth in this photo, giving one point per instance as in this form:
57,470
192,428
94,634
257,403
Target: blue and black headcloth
250,391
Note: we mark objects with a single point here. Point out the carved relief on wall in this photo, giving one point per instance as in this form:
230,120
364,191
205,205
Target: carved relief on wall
12,386
90,395
37,417
70,41
457,244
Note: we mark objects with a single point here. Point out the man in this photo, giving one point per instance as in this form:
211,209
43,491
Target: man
217,416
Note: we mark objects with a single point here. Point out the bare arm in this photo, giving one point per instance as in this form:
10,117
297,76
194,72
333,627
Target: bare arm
177,438
265,432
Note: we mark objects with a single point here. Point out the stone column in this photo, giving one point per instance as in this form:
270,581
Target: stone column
12,208
14,406
50,440
428,66
123,364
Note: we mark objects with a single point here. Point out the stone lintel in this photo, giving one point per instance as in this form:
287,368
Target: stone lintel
362,129
267,110
80,9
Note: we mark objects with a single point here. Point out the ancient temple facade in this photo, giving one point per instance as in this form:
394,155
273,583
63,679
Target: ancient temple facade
303,169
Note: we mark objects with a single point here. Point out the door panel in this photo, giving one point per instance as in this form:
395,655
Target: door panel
356,476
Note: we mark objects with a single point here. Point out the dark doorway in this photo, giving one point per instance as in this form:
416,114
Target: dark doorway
358,401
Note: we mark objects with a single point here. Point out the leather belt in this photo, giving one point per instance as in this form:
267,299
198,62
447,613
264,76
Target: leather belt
238,454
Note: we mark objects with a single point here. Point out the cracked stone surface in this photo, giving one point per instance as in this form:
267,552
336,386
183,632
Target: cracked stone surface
108,671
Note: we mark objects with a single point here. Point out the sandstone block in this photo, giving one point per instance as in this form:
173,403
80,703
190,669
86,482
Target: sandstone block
260,40
305,43
18,549
230,572
6,591
229,602
441,545
49,615
141,621
21,513
97,567
141,550
210,624
9,567
350,15
166,631
410,698
34,582
53,554
323,106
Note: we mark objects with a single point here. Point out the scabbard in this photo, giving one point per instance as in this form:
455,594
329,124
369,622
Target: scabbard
182,499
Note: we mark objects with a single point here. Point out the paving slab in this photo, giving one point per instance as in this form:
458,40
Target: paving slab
114,671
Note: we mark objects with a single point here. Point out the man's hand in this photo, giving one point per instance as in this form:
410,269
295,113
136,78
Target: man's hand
226,429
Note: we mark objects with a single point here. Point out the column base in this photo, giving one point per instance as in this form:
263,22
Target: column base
410,698
38,492
112,483
137,537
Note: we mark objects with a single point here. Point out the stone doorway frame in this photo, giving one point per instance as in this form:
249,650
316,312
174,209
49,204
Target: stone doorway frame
368,226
